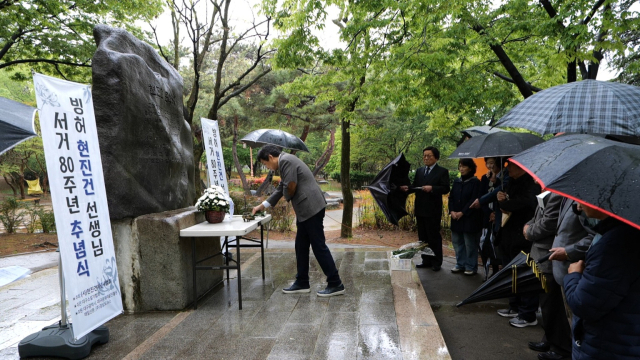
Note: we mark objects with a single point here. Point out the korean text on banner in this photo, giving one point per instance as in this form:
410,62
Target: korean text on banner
79,199
215,160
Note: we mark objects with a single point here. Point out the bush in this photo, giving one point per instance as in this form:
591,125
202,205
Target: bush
10,215
282,216
47,220
358,178
32,222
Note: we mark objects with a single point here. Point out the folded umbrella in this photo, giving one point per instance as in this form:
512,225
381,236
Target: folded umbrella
588,106
385,188
502,143
520,276
16,123
599,172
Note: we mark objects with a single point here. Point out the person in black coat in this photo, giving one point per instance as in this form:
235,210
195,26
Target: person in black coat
466,223
488,183
518,204
603,292
433,181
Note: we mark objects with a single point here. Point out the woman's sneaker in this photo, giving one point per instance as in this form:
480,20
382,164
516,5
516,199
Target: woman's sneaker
507,313
456,270
520,323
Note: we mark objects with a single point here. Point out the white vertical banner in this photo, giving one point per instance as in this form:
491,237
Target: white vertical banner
79,199
215,159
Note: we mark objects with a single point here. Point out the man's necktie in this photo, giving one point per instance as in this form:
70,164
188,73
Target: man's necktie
426,172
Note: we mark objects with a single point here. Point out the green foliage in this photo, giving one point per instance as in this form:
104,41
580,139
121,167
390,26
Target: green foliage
47,220
10,214
282,216
31,214
358,178
55,36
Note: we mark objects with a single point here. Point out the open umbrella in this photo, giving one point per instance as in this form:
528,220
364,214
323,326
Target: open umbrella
385,188
520,276
590,169
283,139
479,130
502,143
588,106
16,123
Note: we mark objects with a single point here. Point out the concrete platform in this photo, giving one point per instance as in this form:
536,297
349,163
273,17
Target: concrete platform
383,315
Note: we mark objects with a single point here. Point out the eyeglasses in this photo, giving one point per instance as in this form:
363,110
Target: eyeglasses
428,156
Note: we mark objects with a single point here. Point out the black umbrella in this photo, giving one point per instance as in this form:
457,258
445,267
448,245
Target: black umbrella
479,130
520,276
502,143
16,123
602,173
588,106
283,139
385,188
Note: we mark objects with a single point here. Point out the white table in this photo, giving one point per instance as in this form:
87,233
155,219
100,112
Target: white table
236,227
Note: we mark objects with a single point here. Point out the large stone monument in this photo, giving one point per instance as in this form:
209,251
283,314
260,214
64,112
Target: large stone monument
147,157
146,144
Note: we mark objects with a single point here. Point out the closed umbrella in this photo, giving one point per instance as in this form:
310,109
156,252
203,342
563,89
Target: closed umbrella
599,172
16,123
497,144
588,106
520,276
385,188
283,139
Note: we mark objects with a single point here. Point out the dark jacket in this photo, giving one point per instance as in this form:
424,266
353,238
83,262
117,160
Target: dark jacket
462,195
542,230
429,204
605,298
486,187
522,205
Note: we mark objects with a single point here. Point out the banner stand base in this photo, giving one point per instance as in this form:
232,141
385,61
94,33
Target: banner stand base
57,340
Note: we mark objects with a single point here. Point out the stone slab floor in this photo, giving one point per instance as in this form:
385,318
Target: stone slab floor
368,322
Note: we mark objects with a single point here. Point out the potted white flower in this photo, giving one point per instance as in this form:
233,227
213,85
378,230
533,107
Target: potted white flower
214,203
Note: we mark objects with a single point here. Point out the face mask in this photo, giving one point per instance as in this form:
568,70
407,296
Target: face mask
592,222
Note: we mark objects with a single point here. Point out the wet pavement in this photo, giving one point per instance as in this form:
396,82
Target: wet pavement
474,331
383,315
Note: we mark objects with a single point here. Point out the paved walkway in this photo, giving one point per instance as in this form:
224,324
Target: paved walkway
384,315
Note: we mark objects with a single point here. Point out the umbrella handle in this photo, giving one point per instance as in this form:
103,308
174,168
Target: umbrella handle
543,259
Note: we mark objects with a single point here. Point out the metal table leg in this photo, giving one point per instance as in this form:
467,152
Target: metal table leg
239,275
193,258
262,249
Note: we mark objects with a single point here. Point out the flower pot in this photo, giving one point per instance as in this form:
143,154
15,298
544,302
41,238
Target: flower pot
214,217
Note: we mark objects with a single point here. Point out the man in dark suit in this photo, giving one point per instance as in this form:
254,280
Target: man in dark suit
433,181
300,187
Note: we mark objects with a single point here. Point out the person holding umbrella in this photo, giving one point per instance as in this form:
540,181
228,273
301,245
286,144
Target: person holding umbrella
433,182
518,204
466,223
603,292
299,186
488,183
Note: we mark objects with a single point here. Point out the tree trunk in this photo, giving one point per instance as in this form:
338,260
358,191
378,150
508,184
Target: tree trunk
245,185
323,160
21,184
198,150
347,194
265,184
10,182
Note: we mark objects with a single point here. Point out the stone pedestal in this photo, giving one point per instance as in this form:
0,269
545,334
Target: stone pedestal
154,263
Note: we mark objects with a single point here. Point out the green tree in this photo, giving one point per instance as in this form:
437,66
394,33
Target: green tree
55,36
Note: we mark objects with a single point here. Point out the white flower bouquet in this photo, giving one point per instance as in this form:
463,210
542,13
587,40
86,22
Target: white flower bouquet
214,199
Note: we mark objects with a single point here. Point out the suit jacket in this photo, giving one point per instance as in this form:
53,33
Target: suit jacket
542,229
573,235
429,204
308,199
